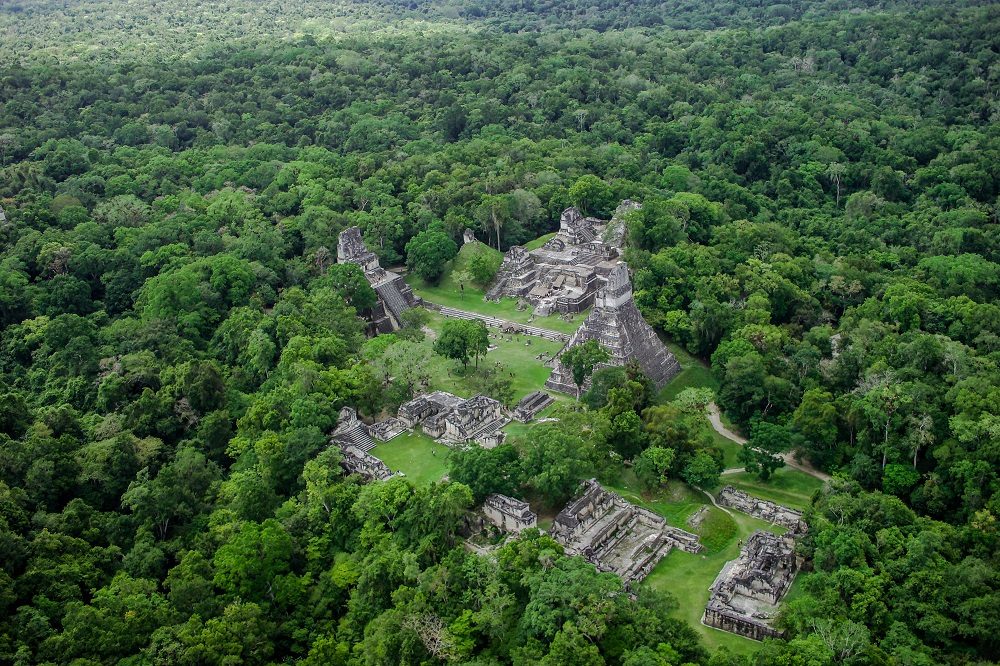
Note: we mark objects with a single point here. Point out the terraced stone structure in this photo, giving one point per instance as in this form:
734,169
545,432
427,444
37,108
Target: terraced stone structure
615,535
746,593
767,510
616,323
453,420
564,274
352,431
394,295
531,405
354,439
509,514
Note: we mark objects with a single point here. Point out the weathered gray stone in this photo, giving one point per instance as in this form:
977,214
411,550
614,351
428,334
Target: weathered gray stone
385,430
394,295
351,431
564,274
619,327
354,439
746,593
453,420
763,509
531,405
615,535
509,514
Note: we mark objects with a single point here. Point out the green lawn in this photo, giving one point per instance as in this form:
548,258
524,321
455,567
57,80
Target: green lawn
730,449
694,373
786,486
420,458
449,292
538,242
686,576
517,357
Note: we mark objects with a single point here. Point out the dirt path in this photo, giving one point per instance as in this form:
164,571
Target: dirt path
714,503
715,418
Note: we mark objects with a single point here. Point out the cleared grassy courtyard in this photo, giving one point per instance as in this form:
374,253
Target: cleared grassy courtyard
449,291
517,355
786,486
416,455
688,576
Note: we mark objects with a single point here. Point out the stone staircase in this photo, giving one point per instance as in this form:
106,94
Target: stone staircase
489,428
394,302
358,437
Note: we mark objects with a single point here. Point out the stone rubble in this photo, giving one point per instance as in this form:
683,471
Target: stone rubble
615,535
746,593
453,420
564,274
763,509
532,405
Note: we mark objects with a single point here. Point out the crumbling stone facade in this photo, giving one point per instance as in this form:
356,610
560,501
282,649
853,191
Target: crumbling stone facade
354,439
746,593
615,535
763,509
352,431
509,514
453,420
531,406
394,295
385,430
356,461
616,323
564,274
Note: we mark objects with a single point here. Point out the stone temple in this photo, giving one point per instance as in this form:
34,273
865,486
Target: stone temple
394,295
355,441
615,535
616,323
564,274
746,593
454,420
509,514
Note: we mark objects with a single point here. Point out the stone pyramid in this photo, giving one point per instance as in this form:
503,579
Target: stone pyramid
619,327
394,295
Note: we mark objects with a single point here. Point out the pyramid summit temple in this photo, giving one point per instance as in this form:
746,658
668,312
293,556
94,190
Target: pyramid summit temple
616,323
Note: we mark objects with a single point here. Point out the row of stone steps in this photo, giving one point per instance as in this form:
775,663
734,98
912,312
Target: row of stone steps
496,322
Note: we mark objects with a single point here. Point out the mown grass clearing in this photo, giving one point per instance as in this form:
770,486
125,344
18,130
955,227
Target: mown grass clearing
786,486
456,290
688,576
416,455
516,353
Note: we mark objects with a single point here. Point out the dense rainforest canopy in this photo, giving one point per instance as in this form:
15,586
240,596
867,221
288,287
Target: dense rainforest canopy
820,190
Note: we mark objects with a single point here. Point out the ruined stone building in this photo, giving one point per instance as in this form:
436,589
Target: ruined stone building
356,461
746,593
452,420
352,431
531,406
615,535
394,295
355,441
564,274
763,509
619,327
509,514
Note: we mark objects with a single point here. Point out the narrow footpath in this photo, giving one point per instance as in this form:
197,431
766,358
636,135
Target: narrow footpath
715,418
